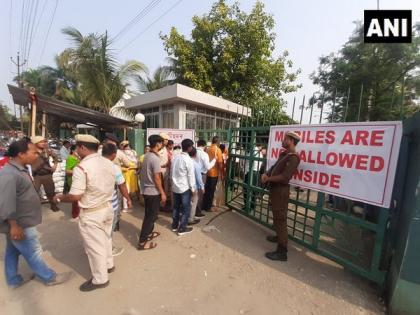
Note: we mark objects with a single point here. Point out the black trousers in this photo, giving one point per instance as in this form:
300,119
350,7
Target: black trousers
209,189
151,210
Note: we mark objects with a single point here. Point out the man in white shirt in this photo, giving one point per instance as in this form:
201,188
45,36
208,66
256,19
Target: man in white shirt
65,150
183,186
205,164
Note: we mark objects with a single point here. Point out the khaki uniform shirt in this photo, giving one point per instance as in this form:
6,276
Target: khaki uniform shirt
164,159
94,179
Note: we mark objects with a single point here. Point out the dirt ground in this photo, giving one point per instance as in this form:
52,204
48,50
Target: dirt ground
222,271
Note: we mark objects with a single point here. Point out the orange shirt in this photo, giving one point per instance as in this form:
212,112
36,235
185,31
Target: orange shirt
215,152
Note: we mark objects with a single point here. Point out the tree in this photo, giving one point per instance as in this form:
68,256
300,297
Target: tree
101,82
161,77
230,54
7,120
383,79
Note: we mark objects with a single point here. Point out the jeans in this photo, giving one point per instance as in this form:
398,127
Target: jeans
31,250
200,197
194,201
151,210
210,188
181,201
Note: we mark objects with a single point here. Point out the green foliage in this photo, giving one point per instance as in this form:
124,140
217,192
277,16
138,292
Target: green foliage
86,74
7,120
161,77
381,69
230,54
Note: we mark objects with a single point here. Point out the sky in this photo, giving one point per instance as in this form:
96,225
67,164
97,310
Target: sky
307,29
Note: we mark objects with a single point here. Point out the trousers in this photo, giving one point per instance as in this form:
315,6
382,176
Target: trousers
96,228
210,188
31,250
279,197
151,210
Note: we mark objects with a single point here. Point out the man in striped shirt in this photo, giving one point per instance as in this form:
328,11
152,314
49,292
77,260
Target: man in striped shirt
109,151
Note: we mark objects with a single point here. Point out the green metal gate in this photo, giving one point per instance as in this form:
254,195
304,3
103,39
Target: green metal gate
349,233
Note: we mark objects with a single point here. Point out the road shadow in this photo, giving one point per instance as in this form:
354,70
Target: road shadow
249,238
67,245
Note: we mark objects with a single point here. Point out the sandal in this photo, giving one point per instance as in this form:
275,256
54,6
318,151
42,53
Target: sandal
153,235
142,246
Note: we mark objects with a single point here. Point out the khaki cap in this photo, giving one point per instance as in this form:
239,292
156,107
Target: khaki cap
37,139
164,136
293,135
125,142
86,138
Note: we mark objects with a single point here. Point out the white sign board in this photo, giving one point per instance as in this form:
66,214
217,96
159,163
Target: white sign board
176,135
351,160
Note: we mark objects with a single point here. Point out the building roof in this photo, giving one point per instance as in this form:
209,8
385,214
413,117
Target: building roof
69,112
180,93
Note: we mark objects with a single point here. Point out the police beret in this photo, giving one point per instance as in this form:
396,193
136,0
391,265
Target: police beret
37,139
111,137
86,139
293,135
164,136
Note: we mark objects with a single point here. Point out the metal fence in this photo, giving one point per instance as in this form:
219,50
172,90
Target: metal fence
350,233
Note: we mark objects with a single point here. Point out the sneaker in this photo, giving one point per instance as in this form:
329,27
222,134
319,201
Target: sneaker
185,231
54,207
200,215
90,286
277,255
127,210
174,229
116,251
272,238
194,222
60,278
24,280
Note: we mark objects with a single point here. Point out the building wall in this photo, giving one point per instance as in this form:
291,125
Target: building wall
187,116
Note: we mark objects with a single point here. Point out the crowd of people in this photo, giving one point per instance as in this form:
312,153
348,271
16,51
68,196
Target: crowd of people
102,178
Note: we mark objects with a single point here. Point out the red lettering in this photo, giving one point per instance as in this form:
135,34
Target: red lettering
335,181
346,160
319,138
361,162
323,179
348,138
275,152
318,159
298,174
377,164
308,137
330,137
331,158
308,176
310,157
376,138
278,136
302,156
362,136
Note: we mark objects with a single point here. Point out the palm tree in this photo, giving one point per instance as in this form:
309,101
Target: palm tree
162,77
100,80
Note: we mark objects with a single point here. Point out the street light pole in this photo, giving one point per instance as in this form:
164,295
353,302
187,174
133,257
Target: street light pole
18,65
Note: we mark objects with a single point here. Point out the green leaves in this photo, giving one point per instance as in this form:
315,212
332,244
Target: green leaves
230,54
383,69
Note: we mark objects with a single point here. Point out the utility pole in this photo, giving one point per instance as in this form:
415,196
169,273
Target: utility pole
18,65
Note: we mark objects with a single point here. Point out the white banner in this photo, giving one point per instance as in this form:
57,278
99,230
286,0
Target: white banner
351,160
177,135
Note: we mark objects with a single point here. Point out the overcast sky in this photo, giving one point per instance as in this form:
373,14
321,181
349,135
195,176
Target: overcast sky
307,29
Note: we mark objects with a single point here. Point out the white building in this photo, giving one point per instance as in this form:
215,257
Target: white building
181,107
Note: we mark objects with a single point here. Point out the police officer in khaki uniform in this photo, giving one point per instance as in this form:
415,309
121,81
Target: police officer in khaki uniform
278,178
93,186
